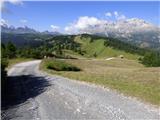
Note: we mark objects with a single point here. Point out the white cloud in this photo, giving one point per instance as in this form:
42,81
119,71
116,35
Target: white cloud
84,24
85,21
108,14
3,22
121,17
15,2
122,25
23,21
1,4
116,14
70,29
55,28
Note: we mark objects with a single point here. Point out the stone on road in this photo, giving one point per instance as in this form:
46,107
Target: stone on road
44,97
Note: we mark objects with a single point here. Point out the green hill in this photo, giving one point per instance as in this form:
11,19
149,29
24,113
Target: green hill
96,48
77,46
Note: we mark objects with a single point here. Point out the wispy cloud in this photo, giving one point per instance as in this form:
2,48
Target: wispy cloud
93,25
14,2
23,21
121,17
108,14
84,23
117,15
55,28
3,22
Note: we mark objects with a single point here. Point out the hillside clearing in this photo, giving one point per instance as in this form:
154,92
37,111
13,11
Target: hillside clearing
97,47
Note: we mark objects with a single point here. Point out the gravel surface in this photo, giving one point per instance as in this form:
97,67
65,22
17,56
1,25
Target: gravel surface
47,97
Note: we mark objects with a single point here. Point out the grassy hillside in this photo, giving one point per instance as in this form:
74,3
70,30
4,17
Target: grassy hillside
97,47
86,46
73,54
127,76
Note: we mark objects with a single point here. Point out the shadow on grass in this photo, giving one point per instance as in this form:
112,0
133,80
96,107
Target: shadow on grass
19,89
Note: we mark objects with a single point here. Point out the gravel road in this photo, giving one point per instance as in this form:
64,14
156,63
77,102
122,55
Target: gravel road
37,96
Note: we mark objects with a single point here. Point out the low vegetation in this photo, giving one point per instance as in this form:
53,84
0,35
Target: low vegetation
151,59
126,76
4,64
59,65
9,57
14,61
7,51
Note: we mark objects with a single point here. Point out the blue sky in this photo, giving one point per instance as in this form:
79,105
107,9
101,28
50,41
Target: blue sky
41,15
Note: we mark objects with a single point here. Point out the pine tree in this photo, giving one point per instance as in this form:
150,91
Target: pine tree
10,50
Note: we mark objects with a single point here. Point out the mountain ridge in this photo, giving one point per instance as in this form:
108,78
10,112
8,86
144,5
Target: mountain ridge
134,31
25,29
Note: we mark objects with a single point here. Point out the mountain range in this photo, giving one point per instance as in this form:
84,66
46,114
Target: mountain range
23,30
135,31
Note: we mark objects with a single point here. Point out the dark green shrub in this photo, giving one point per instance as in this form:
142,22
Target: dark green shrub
60,65
4,64
151,59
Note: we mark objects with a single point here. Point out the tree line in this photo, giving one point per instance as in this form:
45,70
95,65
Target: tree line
151,59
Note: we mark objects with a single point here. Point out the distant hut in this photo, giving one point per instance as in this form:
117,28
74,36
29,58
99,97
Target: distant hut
121,56
45,57
49,55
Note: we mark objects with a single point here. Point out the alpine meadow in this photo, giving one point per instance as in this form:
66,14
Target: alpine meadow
80,60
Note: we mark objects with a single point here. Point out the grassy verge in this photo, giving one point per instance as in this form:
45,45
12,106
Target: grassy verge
14,61
127,76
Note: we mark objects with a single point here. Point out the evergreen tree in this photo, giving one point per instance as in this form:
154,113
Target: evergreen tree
10,50
151,59
4,63
95,54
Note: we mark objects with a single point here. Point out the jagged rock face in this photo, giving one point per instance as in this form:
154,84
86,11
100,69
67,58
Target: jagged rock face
137,31
22,30
11,29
